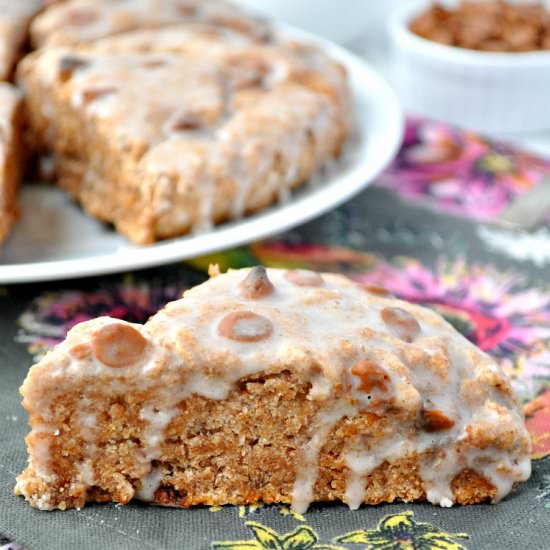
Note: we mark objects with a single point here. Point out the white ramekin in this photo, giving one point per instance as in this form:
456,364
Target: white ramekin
483,91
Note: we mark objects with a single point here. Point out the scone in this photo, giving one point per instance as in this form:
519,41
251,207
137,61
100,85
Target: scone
11,127
272,386
79,21
15,16
207,127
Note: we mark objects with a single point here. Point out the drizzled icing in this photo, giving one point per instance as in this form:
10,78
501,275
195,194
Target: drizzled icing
454,403
302,493
362,463
148,485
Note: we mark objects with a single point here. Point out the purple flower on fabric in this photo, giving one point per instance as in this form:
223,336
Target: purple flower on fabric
53,314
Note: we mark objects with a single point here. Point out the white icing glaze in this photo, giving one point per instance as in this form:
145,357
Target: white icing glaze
148,485
153,436
88,421
41,457
336,326
306,476
86,473
43,503
362,462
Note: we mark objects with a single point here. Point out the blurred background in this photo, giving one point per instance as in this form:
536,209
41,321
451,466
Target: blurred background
499,94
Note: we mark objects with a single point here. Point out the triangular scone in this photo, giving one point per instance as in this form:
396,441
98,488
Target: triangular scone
15,16
165,142
285,386
80,21
11,127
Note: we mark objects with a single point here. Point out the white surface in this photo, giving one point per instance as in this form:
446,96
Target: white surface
55,240
340,21
520,245
483,91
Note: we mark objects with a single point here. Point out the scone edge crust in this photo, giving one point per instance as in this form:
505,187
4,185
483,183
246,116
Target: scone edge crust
353,411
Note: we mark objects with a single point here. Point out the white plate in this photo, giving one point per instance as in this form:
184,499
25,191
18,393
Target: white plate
56,240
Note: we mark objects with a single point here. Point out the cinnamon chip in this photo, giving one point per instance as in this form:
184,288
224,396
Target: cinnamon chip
303,277
154,63
183,121
401,323
256,285
187,10
245,326
435,421
371,376
377,290
92,94
80,351
68,65
118,345
210,32
249,73
492,25
81,16
235,23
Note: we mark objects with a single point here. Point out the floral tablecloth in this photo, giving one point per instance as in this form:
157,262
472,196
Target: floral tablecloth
429,230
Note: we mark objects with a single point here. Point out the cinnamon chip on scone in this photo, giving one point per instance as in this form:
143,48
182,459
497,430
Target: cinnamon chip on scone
272,386
166,131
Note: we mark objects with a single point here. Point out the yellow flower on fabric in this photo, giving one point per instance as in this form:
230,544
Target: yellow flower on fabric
402,532
495,163
265,538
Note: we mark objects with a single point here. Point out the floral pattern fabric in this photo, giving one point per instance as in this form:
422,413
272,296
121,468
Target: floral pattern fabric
461,172
394,532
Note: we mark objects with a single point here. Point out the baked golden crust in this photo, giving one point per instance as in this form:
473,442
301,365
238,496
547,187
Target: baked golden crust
11,156
207,127
274,387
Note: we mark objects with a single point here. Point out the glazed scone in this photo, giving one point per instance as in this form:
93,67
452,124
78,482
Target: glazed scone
277,386
15,16
11,127
208,127
79,21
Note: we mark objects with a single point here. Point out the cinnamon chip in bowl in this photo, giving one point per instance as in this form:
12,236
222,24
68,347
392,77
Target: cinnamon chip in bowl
493,26
480,65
